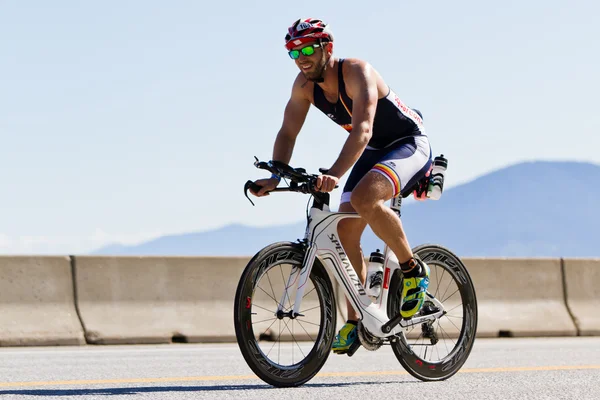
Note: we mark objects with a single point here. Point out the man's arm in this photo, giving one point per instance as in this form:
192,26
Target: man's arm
293,119
362,82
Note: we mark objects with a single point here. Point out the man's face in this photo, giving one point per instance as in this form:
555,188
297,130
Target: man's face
312,66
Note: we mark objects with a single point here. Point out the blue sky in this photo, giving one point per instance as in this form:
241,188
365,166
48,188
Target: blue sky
121,121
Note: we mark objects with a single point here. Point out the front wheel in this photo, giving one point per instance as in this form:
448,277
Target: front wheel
436,350
284,351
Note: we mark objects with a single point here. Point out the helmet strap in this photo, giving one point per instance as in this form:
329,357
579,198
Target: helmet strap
320,79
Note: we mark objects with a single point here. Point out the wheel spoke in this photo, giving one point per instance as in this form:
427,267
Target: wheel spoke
306,294
449,338
415,343
302,326
438,281
273,298
312,323
447,287
456,291
309,292
262,308
264,320
452,322
437,290
436,347
275,342
272,290
294,338
455,307
286,288
445,343
309,309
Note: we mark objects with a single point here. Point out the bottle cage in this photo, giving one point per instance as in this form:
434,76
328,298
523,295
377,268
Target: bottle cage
419,189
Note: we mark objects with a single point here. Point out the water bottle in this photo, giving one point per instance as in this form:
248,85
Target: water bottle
374,274
436,180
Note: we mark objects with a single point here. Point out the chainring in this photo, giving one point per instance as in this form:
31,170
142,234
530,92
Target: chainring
367,340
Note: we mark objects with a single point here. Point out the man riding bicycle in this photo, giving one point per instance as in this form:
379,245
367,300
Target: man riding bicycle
387,149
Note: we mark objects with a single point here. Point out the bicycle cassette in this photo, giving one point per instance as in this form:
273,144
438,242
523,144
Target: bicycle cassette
367,340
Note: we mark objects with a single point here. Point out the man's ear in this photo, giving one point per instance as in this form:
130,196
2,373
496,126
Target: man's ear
329,47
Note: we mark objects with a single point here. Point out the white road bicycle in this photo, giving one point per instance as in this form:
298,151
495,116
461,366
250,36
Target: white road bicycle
285,304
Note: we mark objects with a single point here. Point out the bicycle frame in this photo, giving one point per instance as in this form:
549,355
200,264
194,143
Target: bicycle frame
323,243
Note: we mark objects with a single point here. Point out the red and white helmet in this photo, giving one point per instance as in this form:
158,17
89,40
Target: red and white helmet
307,30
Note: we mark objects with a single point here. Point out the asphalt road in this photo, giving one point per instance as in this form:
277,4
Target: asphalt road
536,368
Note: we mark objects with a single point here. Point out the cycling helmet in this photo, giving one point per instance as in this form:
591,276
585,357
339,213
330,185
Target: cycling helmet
418,112
306,30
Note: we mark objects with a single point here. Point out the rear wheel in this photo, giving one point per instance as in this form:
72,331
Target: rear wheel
281,350
437,350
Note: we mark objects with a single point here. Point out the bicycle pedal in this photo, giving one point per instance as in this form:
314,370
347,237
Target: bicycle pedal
353,347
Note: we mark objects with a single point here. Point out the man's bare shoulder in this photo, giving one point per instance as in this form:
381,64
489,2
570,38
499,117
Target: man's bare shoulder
356,66
302,87
357,72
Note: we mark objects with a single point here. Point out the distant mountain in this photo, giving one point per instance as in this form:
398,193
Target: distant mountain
216,242
532,209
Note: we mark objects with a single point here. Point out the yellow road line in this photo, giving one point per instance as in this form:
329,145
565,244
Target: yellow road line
469,370
323,374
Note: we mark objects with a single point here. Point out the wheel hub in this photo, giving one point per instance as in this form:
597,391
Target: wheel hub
291,315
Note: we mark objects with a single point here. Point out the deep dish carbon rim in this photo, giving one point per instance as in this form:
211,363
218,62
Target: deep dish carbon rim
284,341
283,351
437,350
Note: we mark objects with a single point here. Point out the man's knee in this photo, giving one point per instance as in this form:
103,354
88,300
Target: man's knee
362,202
350,230
370,193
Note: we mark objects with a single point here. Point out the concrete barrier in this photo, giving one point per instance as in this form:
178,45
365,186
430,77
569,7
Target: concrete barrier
520,297
190,299
582,285
165,299
36,302
157,299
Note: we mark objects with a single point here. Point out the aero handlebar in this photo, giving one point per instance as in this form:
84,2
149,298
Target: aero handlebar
300,180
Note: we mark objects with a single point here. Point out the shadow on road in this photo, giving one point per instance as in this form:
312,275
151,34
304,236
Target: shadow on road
159,389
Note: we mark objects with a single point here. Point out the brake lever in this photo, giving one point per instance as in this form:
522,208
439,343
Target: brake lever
253,186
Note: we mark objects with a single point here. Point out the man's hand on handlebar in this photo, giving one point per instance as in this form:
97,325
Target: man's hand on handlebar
267,185
297,179
326,183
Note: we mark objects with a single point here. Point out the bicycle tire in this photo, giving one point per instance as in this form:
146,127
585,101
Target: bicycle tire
265,368
417,365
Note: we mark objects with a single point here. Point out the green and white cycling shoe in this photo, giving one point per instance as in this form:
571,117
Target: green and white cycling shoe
345,338
414,288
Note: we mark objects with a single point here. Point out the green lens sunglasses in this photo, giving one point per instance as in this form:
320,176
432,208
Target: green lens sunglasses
307,51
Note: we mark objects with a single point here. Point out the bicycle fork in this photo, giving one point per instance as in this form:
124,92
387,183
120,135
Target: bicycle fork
299,277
